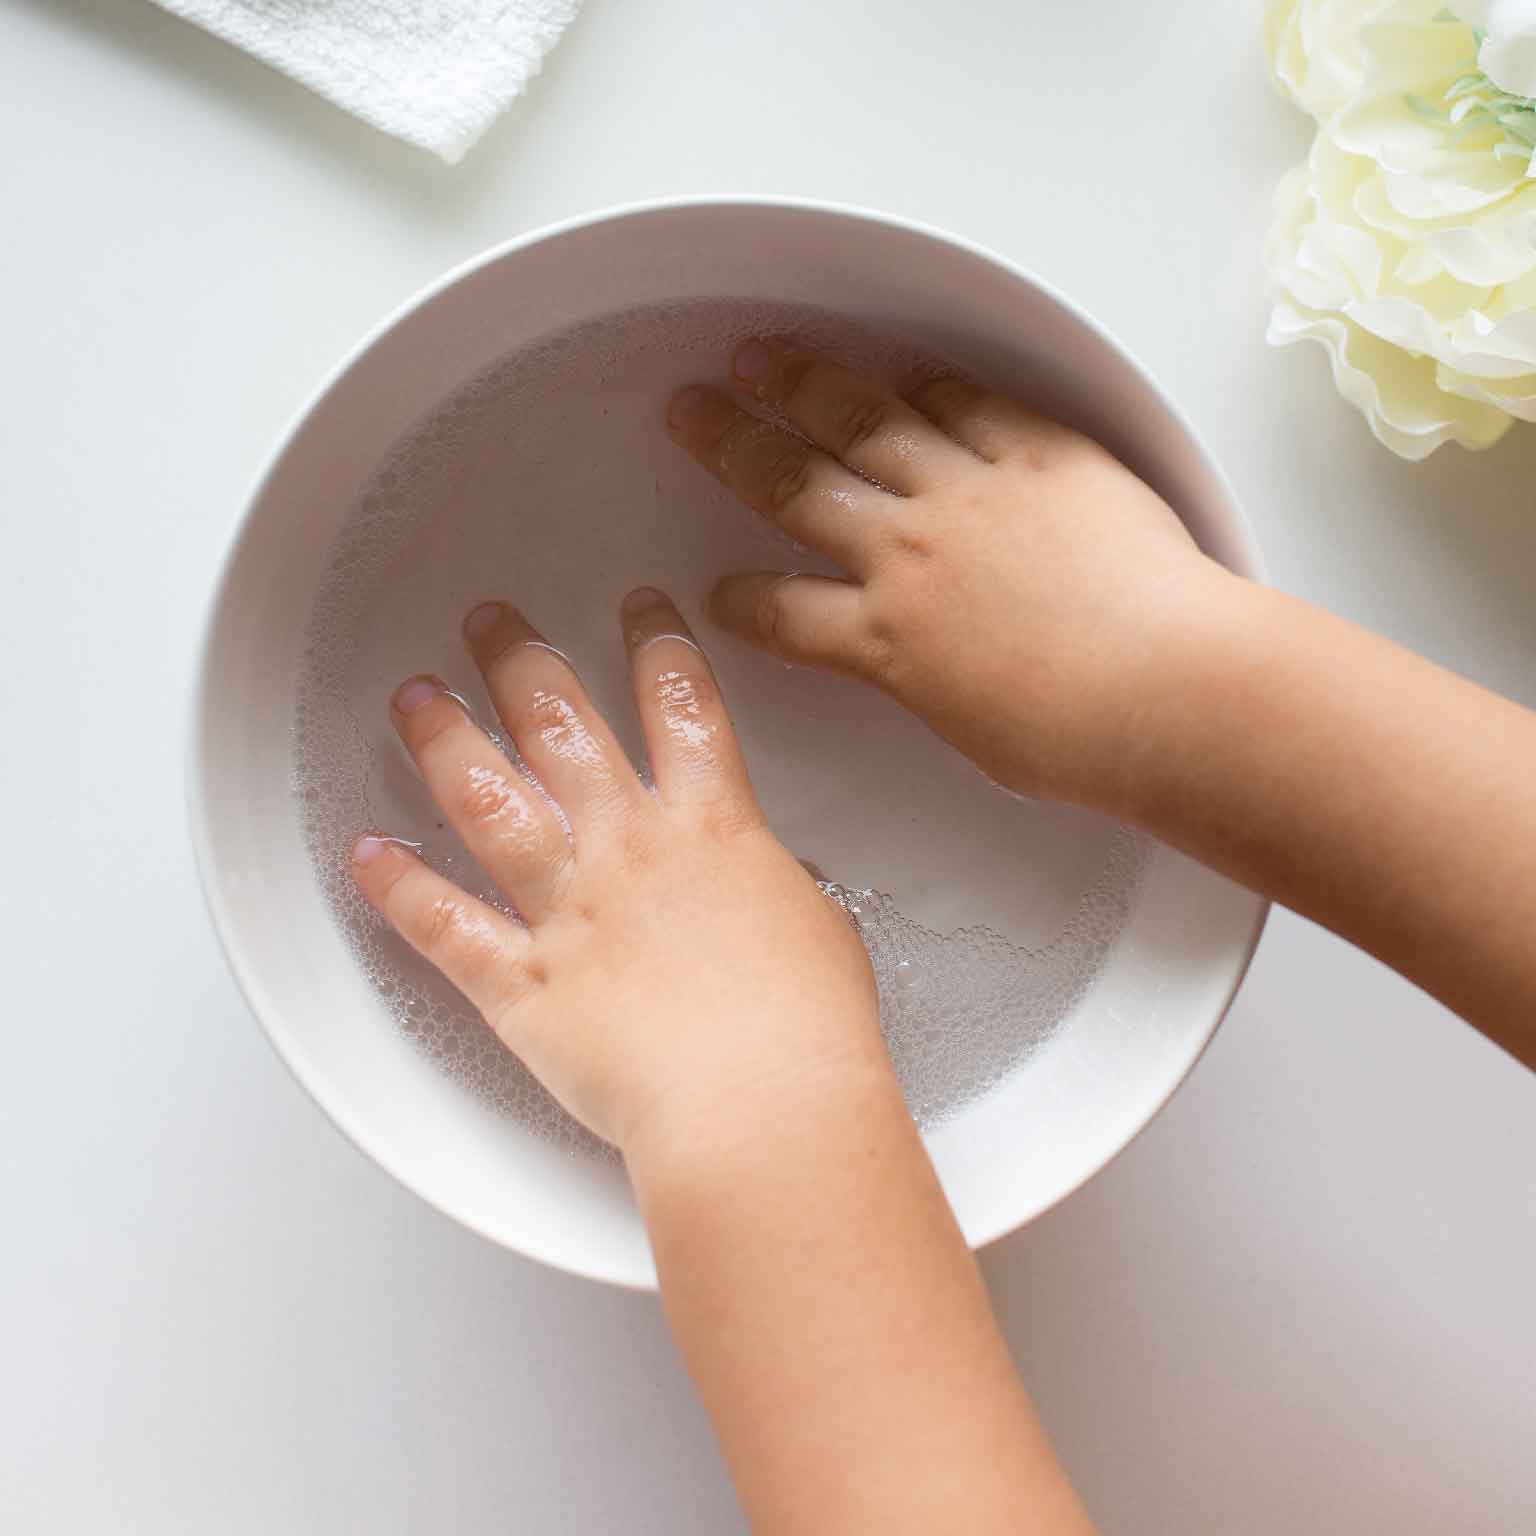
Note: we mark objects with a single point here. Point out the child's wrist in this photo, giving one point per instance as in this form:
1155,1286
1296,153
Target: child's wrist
696,1146
1193,700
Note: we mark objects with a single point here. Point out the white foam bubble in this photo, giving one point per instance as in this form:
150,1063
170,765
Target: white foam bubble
961,1010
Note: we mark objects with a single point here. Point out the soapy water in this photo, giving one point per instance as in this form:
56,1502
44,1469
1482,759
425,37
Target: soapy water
961,1011
962,1006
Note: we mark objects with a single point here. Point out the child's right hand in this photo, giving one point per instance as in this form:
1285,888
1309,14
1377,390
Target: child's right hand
1016,587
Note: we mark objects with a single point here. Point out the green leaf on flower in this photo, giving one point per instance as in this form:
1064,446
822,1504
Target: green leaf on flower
1473,105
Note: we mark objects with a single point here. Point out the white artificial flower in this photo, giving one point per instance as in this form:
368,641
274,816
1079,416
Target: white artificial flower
1314,46
1508,52
1406,245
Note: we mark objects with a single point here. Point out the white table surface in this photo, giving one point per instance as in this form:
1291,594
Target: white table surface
1300,1302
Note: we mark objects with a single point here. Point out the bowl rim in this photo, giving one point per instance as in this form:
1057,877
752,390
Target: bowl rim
212,880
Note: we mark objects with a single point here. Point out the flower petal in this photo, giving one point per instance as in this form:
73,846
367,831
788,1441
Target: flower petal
1516,396
1398,395
1314,49
1452,184
1508,54
1502,349
1487,254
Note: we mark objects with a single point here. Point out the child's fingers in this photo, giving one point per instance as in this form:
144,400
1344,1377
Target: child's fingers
795,486
992,426
857,421
481,951
694,754
812,620
558,732
505,823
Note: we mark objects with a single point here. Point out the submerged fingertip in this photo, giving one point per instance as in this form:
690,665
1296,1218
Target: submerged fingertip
480,621
688,409
372,846
754,360
416,692
649,615
368,848
642,600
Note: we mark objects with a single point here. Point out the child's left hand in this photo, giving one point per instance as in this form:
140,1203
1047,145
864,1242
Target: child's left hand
678,967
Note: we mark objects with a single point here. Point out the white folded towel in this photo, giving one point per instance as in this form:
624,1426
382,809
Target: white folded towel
434,72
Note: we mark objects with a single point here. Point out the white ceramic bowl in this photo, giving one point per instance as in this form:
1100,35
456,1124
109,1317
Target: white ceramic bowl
1124,1049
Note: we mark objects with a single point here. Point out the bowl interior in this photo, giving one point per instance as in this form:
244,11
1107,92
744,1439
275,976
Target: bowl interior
1123,1049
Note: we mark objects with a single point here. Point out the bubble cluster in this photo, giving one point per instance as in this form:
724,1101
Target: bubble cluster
334,761
961,1010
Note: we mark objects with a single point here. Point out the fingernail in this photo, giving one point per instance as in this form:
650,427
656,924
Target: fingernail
366,849
649,615
689,408
482,620
410,696
754,362
641,600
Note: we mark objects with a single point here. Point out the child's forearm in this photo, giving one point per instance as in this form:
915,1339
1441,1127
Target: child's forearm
1359,784
836,1325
